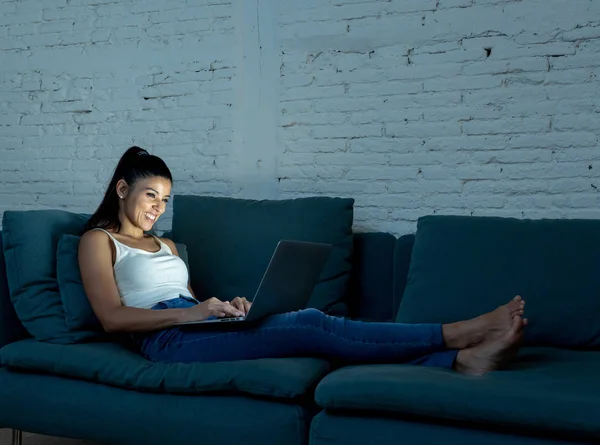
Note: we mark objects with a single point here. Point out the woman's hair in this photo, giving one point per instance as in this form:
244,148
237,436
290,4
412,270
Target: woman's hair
135,164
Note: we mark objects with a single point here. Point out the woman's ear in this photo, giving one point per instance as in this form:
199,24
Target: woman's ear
122,188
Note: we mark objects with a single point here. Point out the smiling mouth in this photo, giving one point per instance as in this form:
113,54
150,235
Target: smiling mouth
150,217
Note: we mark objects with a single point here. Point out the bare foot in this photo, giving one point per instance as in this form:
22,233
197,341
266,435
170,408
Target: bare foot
466,334
493,354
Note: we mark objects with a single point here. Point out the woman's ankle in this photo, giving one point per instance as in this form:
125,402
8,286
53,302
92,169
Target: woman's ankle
452,333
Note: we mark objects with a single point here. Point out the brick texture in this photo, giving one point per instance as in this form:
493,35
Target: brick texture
412,107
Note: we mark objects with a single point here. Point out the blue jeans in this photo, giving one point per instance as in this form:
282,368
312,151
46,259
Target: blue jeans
306,333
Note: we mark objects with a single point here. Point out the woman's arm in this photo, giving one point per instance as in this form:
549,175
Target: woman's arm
95,263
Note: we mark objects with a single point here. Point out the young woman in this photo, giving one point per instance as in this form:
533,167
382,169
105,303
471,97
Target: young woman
137,283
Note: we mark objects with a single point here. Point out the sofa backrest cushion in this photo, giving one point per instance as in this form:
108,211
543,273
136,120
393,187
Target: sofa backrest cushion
230,242
464,266
30,241
78,311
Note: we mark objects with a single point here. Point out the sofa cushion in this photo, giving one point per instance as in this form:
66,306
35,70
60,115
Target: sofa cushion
30,241
464,266
64,407
545,389
230,242
78,311
113,364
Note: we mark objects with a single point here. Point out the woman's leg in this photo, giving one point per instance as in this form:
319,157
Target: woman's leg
304,333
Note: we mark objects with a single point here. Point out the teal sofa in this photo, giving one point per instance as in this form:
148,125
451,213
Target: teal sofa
71,380
455,268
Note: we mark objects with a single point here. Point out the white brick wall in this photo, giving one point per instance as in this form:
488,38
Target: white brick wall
80,81
413,107
399,104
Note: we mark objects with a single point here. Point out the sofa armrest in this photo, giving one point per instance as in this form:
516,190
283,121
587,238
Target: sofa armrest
370,289
11,328
402,258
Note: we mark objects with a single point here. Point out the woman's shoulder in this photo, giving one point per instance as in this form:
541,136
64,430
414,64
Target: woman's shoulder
96,232
171,244
94,237
96,244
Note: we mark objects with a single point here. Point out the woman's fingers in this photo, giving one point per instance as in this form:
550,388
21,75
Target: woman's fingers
238,307
242,304
229,309
239,304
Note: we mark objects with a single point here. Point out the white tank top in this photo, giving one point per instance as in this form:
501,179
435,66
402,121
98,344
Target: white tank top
146,278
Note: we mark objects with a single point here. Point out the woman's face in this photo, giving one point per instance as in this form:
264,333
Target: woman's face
146,201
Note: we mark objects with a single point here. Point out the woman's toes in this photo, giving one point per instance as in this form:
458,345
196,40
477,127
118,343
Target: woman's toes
516,329
518,301
517,311
517,306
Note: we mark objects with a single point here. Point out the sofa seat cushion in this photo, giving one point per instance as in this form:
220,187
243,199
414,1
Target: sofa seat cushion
545,389
113,364
58,406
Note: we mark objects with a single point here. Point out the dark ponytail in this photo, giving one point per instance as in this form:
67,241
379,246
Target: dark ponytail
135,164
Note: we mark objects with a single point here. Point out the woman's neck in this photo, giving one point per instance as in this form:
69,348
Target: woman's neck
129,231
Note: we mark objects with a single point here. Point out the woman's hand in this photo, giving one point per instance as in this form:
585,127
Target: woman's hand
241,304
213,307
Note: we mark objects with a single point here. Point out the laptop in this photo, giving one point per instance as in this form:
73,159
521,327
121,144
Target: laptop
287,284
